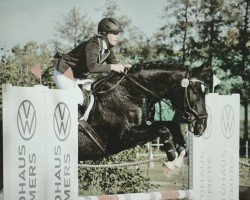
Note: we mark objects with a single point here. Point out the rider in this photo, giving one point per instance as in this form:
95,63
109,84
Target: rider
89,56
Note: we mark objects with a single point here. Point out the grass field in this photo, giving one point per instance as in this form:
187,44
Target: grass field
245,173
179,181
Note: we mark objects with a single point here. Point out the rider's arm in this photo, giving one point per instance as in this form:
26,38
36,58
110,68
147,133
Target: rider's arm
92,57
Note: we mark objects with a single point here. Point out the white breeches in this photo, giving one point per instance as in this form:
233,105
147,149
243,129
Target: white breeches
62,82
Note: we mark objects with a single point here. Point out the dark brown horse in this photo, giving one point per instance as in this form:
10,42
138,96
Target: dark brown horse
123,116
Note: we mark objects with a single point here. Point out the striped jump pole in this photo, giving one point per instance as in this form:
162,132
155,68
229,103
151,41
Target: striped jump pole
171,194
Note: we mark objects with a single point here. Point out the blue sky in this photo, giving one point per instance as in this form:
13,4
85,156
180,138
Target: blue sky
25,20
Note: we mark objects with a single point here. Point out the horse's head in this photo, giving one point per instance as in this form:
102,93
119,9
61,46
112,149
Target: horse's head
183,87
189,98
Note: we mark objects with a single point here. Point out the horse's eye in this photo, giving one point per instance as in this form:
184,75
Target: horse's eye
203,88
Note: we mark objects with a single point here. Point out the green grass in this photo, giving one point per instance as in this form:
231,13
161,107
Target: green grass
245,173
175,181
180,181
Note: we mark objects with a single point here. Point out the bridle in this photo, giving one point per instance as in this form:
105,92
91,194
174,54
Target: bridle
188,110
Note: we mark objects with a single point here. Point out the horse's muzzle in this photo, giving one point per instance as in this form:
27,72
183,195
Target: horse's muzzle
200,126
197,123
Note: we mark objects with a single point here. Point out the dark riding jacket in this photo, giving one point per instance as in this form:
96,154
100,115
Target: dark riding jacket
87,57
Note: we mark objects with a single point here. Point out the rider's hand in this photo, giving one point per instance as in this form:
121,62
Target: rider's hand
120,67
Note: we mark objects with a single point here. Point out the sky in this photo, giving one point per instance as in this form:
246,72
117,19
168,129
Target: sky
22,21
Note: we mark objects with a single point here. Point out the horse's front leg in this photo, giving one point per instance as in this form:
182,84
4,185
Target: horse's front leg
142,134
168,144
139,134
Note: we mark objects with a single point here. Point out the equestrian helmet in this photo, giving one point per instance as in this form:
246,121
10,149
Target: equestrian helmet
109,25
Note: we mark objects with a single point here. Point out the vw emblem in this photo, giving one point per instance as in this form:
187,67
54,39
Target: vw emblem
208,130
26,120
62,121
227,121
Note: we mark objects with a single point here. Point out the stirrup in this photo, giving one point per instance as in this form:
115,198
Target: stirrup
86,83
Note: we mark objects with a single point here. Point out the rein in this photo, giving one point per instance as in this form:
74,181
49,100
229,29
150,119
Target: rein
102,81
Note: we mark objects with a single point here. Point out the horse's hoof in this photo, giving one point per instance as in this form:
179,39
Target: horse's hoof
182,153
179,161
168,168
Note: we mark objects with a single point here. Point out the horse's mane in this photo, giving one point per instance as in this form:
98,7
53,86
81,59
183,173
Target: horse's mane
158,65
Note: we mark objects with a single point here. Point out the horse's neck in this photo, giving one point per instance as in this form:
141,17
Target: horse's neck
159,80
163,83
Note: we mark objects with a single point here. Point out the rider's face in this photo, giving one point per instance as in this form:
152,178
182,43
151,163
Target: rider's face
112,38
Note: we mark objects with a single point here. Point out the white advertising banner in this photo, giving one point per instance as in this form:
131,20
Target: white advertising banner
215,155
62,146
24,149
28,140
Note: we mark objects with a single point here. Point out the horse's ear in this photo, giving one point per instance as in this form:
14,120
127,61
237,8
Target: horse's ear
201,71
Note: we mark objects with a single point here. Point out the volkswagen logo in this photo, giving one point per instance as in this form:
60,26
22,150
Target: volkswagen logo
227,121
26,120
62,121
208,130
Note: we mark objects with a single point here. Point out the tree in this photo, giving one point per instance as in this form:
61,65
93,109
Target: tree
178,19
244,45
15,67
132,38
238,48
209,23
73,29
234,50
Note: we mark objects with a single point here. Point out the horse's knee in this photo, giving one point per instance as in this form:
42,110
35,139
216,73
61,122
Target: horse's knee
164,132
